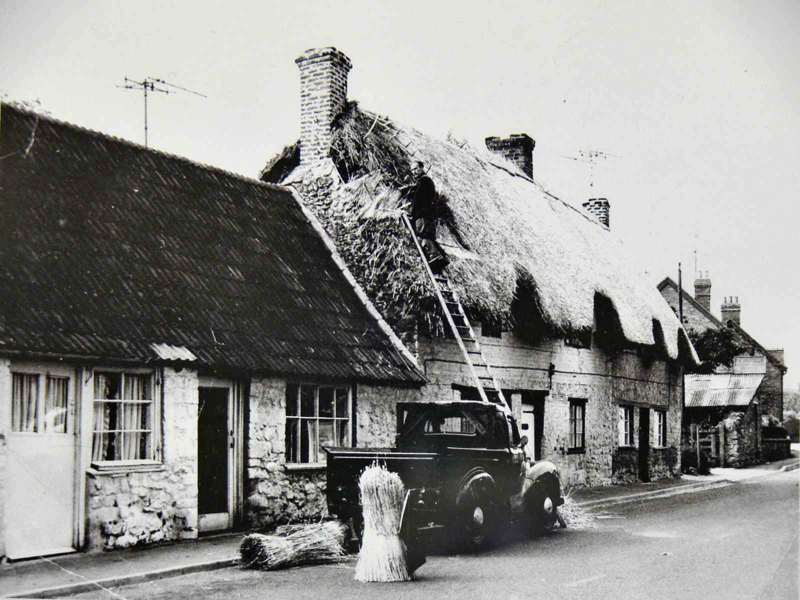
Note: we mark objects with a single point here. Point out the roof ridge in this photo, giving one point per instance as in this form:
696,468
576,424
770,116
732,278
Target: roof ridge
386,120
5,105
669,281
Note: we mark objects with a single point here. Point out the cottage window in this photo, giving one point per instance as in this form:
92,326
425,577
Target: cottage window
36,408
660,440
577,425
124,417
316,416
625,426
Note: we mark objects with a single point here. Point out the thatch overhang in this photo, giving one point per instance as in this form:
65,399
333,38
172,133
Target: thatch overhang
519,254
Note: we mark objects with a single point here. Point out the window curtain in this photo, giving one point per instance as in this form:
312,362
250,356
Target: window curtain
55,405
132,418
24,406
101,416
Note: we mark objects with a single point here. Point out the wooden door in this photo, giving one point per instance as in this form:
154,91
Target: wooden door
215,446
644,444
40,484
528,428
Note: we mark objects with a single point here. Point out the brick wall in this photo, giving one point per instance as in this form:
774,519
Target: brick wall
136,508
604,381
323,93
600,209
516,148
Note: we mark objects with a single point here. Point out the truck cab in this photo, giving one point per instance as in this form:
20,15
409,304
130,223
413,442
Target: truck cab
463,463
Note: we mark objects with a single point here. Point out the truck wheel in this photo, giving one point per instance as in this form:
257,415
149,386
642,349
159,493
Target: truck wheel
542,508
475,524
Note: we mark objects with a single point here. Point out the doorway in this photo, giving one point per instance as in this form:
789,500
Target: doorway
40,494
644,443
217,451
532,423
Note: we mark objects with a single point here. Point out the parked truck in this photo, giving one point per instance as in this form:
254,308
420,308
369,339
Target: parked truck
465,467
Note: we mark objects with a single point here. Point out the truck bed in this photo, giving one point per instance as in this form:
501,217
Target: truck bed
344,467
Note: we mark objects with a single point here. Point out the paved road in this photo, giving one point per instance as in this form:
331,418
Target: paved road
735,542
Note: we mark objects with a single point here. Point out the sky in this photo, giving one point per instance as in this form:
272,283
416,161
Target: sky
696,106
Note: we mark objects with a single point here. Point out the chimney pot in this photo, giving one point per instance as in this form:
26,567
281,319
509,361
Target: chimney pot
516,148
323,94
731,311
600,209
702,291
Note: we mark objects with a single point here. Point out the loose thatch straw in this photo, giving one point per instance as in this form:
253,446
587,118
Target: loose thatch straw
574,515
295,545
383,553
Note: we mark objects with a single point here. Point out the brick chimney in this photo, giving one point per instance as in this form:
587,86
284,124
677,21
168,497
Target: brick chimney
600,209
516,148
731,311
702,290
323,93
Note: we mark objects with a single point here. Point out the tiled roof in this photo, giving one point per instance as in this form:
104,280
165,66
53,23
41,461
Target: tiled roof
721,389
746,337
113,251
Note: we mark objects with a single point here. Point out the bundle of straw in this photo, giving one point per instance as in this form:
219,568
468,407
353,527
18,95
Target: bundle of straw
295,545
383,553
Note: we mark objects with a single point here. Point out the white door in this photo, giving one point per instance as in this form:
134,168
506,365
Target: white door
528,428
41,464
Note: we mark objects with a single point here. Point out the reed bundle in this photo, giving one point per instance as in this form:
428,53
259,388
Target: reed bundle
383,553
294,545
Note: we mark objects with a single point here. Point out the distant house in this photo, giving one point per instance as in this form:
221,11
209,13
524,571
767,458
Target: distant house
586,352
176,345
752,386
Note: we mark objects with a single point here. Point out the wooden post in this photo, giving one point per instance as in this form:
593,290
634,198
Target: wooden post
697,444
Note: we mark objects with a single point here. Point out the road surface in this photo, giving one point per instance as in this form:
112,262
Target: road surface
729,543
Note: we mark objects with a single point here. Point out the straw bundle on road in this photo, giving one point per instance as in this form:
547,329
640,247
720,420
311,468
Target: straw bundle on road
298,545
383,553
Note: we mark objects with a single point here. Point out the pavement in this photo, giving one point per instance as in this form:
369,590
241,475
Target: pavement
100,572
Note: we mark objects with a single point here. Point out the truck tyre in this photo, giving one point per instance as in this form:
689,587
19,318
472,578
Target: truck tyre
542,506
476,514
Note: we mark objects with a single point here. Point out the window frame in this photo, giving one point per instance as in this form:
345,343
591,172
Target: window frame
299,418
629,426
156,425
660,431
574,404
44,373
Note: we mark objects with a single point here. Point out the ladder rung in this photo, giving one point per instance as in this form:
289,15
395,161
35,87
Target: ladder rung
454,307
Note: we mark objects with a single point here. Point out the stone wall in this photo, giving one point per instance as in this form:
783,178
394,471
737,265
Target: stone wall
277,492
741,443
603,381
770,392
129,508
5,427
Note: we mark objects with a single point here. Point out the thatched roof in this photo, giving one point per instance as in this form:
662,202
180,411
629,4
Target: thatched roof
527,249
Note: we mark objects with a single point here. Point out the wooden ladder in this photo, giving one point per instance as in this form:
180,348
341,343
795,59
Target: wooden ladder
462,331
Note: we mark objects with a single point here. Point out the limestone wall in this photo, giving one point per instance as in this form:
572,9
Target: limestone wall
603,381
277,492
5,426
128,508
